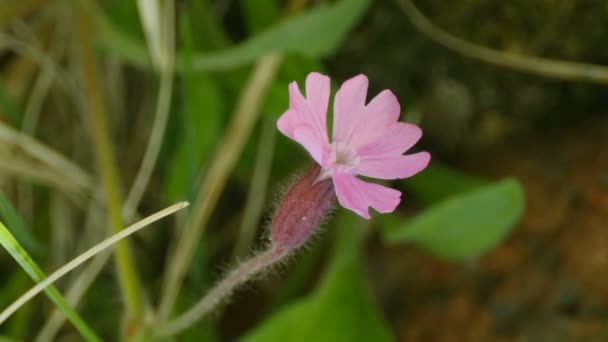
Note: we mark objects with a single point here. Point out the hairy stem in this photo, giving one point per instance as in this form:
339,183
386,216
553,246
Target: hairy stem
222,290
224,160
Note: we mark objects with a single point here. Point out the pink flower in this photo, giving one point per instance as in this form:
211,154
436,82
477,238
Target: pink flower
367,140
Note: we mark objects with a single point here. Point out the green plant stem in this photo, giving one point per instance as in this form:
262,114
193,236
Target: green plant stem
127,275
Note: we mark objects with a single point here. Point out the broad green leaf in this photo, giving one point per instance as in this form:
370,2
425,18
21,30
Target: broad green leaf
31,268
315,33
466,225
340,309
439,182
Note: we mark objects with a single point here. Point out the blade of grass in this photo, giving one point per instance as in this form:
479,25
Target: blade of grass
76,290
22,234
13,247
17,166
94,106
45,283
163,41
52,159
73,296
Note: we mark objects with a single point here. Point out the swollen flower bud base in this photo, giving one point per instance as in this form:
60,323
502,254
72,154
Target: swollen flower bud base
298,216
301,211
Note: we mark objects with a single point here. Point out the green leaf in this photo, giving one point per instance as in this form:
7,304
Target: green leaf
315,33
339,310
31,268
465,225
439,182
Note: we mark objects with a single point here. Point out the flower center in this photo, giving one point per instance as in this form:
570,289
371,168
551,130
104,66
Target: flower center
339,157
343,156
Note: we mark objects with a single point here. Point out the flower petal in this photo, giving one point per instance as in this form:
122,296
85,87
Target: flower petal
311,111
379,115
394,140
306,136
393,166
317,94
357,195
349,104
289,124
384,108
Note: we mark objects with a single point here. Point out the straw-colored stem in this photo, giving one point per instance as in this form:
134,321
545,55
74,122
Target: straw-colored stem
151,155
52,159
225,158
73,296
164,62
94,106
222,290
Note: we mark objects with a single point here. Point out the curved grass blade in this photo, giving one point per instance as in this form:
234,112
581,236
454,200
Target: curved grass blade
8,241
18,227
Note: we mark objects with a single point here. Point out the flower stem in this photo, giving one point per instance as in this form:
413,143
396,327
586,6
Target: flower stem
222,290
225,159
93,105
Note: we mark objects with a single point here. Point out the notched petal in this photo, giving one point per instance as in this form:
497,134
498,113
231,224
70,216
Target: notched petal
357,195
393,166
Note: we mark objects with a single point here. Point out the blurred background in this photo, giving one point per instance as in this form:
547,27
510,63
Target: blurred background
113,110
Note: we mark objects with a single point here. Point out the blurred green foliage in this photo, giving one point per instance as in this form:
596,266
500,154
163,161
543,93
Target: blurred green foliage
465,217
315,33
465,225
